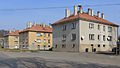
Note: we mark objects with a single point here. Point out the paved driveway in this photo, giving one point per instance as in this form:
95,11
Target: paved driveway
46,59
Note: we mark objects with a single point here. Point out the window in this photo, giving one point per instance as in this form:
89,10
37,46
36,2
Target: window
98,27
98,45
73,46
92,45
73,37
109,29
64,27
63,46
44,40
55,46
16,42
38,40
94,50
38,34
109,38
44,34
103,37
103,28
48,45
91,36
103,45
73,25
98,37
48,41
64,37
16,38
86,50
48,34
91,26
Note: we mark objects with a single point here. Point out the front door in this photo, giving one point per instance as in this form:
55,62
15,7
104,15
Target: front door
38,47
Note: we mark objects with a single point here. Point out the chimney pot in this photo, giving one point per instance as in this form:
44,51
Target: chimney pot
30,24
98,14
27,25
80,9
34,24
10,31
92,12
102,15
67,13
89,11
75,10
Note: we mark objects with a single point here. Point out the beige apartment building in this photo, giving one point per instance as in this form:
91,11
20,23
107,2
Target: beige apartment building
11,40
36,37
84,32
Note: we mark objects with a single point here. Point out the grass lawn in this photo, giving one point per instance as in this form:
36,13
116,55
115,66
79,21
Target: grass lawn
18,50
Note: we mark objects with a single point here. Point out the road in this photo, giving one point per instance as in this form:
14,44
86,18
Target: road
46,59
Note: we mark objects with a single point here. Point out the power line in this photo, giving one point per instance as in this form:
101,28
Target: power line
58,7
102,5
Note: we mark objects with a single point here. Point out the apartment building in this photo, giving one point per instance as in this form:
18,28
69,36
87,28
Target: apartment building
84,32
36,37
11,40
1,43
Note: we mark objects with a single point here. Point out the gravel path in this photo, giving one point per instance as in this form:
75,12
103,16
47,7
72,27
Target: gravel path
46,59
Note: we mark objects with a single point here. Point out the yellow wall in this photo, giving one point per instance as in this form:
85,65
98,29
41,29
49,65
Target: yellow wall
10,42
31,37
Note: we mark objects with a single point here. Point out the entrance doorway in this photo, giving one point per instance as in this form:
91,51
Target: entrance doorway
94,50
86,50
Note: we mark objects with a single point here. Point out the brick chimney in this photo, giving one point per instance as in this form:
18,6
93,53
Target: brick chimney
67,13
98,14
102,15
75,10
34,24
10,31
80,9
92,12
28,25
89,11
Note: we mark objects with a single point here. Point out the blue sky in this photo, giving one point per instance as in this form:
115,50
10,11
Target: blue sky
19,19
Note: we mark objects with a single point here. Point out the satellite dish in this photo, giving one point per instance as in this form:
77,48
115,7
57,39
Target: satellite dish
82,38
35,40
108,38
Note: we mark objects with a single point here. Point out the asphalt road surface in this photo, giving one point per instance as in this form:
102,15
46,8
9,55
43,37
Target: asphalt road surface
47,59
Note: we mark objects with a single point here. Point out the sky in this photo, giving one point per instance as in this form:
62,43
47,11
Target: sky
19,19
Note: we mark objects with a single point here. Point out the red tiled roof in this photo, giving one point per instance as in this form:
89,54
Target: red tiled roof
38,27
1,40
85,16
16,33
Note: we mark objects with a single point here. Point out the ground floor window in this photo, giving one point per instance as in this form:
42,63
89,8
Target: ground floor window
103,45
63,46
94,50
86,50
48,45
98,45
73,46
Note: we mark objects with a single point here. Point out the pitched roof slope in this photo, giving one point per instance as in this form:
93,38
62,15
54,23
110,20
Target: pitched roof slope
87,17
39,27
16,33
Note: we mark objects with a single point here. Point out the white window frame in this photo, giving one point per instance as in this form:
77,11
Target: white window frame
91,25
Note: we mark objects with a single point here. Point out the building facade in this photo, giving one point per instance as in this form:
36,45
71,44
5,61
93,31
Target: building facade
84,32
11,40
36,37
